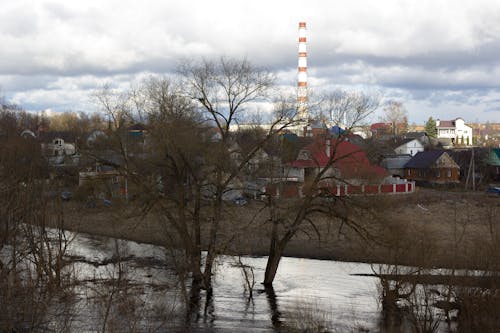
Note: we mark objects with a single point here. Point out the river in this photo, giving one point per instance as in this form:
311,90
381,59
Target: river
124,286
319,285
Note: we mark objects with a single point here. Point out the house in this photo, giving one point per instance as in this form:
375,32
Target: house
380,129
434,166
425,139
59,148
350,164
104,183
408,146
456,131
493,164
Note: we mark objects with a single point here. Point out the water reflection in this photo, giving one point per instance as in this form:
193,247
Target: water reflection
326,295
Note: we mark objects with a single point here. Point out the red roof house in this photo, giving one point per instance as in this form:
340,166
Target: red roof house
345,161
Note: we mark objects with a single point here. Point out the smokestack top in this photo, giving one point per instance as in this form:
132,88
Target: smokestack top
302,24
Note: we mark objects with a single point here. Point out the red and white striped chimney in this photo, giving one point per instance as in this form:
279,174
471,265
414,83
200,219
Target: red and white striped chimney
302,77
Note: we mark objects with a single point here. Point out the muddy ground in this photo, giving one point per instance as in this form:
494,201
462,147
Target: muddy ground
427,228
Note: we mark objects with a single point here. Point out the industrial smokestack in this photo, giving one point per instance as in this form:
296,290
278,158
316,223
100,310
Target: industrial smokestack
302,76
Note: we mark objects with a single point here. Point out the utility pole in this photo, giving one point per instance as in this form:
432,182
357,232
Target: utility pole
473,171
472,167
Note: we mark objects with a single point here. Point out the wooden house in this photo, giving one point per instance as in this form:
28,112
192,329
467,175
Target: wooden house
434,166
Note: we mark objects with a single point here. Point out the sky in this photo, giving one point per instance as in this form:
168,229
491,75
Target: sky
439,58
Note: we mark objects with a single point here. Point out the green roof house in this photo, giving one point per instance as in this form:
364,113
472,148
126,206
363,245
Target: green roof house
493,163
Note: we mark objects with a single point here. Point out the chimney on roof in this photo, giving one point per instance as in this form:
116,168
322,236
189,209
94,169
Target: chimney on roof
438,122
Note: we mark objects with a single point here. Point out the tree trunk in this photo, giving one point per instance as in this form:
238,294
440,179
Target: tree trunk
273,262
212,245
275,253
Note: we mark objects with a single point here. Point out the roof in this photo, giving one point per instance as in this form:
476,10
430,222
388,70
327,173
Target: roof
377,126
350,159
448,123
415,135
494,157
137,127
424,159
336,130
396,161
398,142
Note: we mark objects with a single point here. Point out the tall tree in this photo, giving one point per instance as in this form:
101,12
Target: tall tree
396,114
430,127
223,89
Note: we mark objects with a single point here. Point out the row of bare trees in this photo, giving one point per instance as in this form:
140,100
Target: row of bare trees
182,171
190,160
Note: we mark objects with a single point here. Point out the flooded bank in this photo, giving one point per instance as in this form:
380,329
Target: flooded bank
112,285
326,286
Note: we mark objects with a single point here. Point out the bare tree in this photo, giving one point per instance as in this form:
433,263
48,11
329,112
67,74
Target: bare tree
348,109
192,158
223,89
396,114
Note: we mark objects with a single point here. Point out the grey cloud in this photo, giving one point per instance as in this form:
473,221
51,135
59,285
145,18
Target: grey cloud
493,109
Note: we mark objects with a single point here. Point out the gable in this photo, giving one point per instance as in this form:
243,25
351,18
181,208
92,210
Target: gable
445,161
411,144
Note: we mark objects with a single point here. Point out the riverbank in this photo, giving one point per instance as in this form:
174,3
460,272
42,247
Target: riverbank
427,228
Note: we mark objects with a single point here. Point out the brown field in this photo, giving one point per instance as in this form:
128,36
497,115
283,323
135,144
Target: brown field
429,228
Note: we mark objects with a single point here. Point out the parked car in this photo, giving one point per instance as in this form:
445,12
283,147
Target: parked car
240,201
66,195
493,190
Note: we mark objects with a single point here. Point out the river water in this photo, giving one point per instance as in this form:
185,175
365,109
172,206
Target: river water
303,287
124,286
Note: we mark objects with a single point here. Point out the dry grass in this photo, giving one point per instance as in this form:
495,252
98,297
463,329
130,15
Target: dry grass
431,228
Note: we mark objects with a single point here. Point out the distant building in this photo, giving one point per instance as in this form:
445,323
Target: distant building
456,131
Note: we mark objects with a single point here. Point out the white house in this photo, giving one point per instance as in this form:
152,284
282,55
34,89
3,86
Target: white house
455,130
409,147
57,150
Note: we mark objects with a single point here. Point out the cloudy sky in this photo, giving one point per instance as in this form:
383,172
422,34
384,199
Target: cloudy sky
440,58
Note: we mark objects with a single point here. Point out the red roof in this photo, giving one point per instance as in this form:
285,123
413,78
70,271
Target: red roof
377,126
348,158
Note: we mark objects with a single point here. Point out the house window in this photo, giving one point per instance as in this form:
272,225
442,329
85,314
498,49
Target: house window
438,173
448,173
409,172
411,152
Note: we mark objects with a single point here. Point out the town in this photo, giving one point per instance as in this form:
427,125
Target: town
215,196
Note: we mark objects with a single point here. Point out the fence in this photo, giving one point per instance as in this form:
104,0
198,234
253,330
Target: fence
402,188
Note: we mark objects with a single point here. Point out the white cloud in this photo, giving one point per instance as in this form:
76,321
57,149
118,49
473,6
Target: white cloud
55,52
